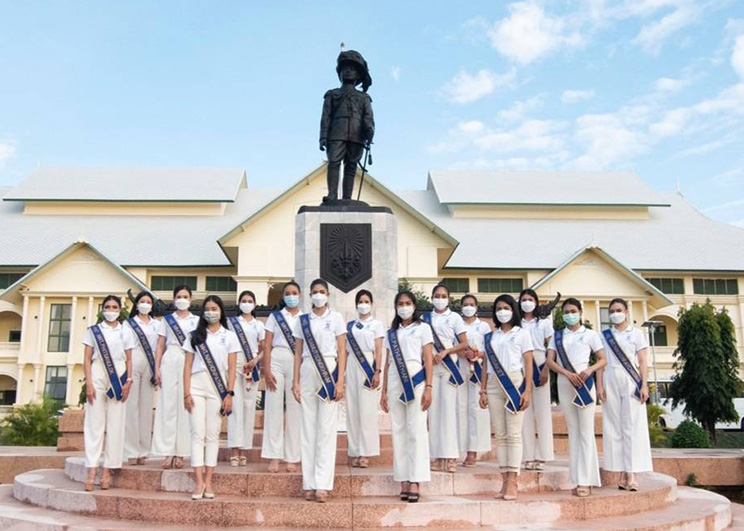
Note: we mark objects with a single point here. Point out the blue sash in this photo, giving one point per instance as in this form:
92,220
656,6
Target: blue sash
369,373
512,393
625,362
284,327
116,390
409,384
455,378
146,348
583,396
328,380
212,370
536,369
176,329
477,375
243,340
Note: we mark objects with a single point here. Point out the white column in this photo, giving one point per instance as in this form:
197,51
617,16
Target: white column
644,305
24,331
19,382
630,312
37,382
40,339
73,345
598,315
91,315
69,399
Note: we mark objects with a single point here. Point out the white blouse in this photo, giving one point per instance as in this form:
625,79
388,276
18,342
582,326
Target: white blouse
221,344
412,340
476,331
272,326
448,325
325,328
579,346
541,330
366,332
631,340
509,348
254,333
118,339
151,329
187,324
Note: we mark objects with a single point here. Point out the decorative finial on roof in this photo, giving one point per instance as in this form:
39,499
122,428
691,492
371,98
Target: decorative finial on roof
342,46
679,188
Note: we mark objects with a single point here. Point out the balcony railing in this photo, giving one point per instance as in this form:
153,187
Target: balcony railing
7,345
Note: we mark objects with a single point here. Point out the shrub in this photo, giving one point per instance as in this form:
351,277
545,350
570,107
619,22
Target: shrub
655,431
690,435
32,425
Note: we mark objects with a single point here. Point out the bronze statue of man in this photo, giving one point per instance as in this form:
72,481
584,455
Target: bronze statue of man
347,125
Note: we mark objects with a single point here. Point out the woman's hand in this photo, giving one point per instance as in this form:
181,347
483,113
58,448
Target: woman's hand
426,399
438,357
483,400
188,403
296,392
125,390
601,393
584,375
644,393
227,405
158,379
90,393
248,367
544,376
339,392
376,381
384,401
270,380
575,379
524,402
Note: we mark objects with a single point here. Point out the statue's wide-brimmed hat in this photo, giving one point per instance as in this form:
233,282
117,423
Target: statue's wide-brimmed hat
351,56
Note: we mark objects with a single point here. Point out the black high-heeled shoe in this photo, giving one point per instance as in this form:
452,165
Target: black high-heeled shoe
404,493
413,497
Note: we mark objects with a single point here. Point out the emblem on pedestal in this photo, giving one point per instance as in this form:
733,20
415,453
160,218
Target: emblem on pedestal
346,254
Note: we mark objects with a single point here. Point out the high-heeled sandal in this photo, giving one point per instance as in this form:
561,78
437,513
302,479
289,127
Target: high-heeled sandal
363,462
451,466
208,495
633,486
168,462
178,462
404,493
234,460
243,460
89,484
583,492
274,466
142,461
310,495
413,497
354,463
105,482
291,467
198,496
321,496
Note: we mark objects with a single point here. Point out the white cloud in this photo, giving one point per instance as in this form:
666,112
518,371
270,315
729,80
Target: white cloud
519,109
466,88
7,152
736,203
737,57
531,135
607,141
668,84
395,73
473,126
575,96
529,33
653,35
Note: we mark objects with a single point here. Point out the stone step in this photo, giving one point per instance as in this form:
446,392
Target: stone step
51,489
342,457
254,481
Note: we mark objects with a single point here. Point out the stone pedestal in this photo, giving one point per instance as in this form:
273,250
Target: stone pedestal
352,248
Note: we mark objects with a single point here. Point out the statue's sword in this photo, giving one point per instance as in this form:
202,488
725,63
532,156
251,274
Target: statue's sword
367,157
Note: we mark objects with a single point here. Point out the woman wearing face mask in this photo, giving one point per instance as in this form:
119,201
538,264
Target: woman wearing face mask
318,385
506,388
623,389
568,355
537,428
406,394
108,369
209,387
281,432
171,433
144,331
450,338
474,423
250,334
364,337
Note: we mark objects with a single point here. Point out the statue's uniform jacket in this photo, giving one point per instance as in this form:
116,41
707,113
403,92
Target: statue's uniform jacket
347,116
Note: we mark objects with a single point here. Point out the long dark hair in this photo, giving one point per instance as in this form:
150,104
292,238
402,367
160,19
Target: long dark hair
443,286
361,293
114,298
199,335
142,294
253,296
531,292
573,302
619,301
180,288
516,319
319,282
416,317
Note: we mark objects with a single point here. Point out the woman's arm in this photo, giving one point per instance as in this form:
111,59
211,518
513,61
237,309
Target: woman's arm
296,369
428,366
383,397
90,390
643,369
527,395
341,364
130,375
462,344
159,350
378,360
232,361
188,401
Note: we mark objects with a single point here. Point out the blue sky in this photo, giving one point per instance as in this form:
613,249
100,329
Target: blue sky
654,86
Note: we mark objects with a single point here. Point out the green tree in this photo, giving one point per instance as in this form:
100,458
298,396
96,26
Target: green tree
422,298
706,365
34,424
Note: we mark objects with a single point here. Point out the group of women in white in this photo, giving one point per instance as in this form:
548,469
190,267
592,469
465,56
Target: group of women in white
448,381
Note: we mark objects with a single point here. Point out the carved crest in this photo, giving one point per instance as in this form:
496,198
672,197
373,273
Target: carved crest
346,254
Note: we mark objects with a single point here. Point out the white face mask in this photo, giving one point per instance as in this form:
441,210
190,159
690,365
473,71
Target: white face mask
528,306
211,317
405,312
504,316
144,308
468,311
440,304
182,304
319,299
364,309
617,317
111,316
247,307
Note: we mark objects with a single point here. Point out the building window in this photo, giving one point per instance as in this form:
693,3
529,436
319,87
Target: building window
221,284
715,286
8,279
59,328
163,283
499,285
56,383
457,285
14,336
604,318
660,336
670,286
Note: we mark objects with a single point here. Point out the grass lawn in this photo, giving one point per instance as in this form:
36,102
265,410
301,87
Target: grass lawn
725,439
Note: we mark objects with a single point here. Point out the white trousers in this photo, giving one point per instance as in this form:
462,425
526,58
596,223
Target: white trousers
627,447
281,437
171,433
583,467
507,426
104,416
537,428
318,434
138,433
473,422
241,422
408,426
206,421
362,426
443,438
